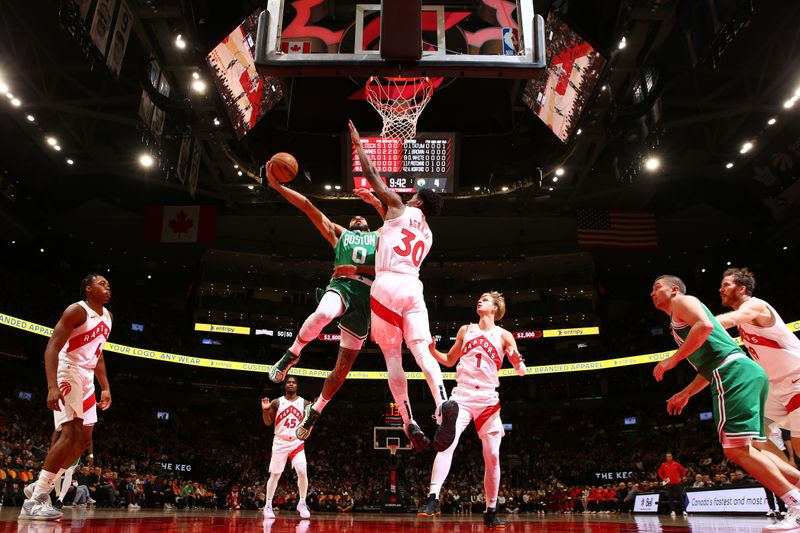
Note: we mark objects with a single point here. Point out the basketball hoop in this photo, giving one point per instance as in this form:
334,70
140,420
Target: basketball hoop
393,448
399,102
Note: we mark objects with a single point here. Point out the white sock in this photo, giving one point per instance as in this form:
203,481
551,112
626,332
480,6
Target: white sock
45,483
791,498
320,404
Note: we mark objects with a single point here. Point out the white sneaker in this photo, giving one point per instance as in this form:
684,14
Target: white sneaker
685,513
790,522
90,501
268,512
302,508
28,490
672,514
39,509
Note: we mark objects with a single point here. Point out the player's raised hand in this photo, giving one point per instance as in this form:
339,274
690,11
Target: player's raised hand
270,178
367,196
354,136
265,403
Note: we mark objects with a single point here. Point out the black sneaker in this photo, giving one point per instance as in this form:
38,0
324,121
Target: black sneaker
446,432
307,424
278,372
431,507
491,521
418,439
58,504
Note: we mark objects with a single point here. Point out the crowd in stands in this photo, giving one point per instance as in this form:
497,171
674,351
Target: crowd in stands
209,461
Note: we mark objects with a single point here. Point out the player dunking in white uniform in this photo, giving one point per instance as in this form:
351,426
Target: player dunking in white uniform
286,412
479,350
397,303
770,343
73,357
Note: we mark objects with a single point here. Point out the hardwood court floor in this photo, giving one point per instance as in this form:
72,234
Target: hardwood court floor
189,521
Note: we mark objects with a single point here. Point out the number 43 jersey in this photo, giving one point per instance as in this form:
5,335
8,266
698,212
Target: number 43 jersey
404,244
356,248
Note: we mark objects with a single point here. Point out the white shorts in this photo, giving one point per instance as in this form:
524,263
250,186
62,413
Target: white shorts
398,310
783,404
283,450
77,386
482,406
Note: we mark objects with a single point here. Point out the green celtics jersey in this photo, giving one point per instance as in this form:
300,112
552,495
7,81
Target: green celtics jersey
713,351
356,248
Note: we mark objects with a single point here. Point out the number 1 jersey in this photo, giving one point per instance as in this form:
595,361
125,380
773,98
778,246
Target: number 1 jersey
404,243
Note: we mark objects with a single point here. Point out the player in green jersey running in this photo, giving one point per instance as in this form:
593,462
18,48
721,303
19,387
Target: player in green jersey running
738,391
346,297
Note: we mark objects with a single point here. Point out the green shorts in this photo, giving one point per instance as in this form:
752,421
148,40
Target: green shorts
355,296
739,394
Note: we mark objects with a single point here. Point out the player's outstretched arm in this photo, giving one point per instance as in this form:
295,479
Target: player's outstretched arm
689,310
372,200
72,317
394,204
268,410
330,231
449,359
750,312
510,347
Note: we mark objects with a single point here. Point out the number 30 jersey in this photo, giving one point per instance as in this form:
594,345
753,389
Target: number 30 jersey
405,242
86,342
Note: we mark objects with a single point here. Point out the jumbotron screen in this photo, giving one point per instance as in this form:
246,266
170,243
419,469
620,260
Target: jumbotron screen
560,93
427,161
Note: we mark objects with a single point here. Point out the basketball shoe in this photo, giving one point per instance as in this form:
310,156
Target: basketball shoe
307,424
39,508
431,507
278,372
418,439
790,522
302,508
446,430
268,512
491,521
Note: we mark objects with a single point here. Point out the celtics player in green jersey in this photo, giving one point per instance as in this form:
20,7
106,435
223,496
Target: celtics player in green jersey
346,297
738,391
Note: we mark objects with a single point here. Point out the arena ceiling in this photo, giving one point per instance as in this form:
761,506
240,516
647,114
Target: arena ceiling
699,112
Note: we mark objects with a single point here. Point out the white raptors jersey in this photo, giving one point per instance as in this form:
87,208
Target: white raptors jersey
288,417
775,348
404,243
481,358
86,342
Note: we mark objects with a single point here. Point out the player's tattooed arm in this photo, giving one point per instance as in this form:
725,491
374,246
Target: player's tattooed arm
268,410
449,359
329,230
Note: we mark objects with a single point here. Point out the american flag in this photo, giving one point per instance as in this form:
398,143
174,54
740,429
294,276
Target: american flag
616,229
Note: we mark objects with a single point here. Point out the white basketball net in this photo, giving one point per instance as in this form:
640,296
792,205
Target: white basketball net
399,102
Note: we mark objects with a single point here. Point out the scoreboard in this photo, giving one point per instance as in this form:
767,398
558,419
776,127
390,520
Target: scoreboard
405,166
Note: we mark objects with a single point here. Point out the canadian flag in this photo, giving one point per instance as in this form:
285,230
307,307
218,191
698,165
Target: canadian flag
180,223
296,47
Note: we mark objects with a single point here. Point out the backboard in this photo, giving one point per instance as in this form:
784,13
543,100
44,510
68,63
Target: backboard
384,436
476,38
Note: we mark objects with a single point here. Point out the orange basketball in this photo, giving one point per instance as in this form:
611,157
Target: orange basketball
283,167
